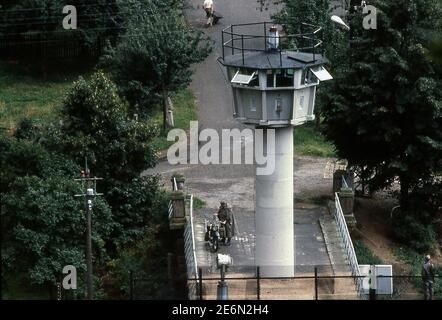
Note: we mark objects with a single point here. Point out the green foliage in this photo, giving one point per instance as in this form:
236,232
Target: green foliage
184,111
409,230
136,205
385,109
24,94
364,254
42,223
96,124
316,12
198,203
147,260
154,56
309,142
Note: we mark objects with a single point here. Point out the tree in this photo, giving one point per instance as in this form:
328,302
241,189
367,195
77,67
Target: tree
32,30
315,12
154,56
96,125
42,224
385,114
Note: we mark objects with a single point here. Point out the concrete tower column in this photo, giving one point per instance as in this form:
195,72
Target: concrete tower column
274,246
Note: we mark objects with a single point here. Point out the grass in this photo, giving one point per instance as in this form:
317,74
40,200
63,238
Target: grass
364,254
309,142
198,203
184,112
23,94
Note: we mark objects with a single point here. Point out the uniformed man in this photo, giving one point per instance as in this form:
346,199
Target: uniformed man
428,278
227,220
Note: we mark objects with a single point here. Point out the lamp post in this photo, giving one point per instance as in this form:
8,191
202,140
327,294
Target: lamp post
223,261
340,22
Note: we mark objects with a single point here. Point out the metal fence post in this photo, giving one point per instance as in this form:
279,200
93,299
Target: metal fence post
280,50
316,283
200,277
265,36
222,39
242,48
131,285
232,37
258,284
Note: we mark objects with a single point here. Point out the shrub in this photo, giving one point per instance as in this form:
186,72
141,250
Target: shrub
412,232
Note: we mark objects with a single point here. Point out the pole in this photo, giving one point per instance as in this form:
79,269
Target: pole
233,39
222,289
265,36
222,39
88,194
316,283
242,48
258,284
90,290
200,275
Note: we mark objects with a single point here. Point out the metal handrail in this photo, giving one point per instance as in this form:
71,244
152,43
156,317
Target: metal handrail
348,245
190,251
170,208
344,182
236,36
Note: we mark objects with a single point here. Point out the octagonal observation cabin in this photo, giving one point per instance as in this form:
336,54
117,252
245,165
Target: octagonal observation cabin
273,75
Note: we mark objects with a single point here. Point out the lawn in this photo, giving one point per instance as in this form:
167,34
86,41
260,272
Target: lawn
184,112
309,142
23,94
26,94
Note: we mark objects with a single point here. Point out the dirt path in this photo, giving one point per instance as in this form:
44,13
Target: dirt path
372,216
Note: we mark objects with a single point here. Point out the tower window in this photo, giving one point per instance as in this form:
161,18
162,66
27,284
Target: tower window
246,77
284,78
308,77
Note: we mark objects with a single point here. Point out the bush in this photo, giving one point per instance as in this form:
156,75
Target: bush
412,232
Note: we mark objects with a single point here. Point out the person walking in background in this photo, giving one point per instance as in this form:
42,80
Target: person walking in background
208,7
428,278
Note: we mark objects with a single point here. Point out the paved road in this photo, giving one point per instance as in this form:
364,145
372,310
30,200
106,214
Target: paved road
213,93
235,183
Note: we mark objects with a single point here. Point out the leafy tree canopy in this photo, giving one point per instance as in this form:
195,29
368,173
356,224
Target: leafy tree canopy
385,113
154,56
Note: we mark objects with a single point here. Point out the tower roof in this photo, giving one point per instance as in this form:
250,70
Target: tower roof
269,60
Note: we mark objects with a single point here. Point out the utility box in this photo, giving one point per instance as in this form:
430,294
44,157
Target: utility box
378,277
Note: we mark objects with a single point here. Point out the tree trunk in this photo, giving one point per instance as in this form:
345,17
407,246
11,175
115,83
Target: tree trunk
317,120
165,112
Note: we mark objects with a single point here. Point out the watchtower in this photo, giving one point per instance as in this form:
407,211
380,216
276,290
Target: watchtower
274,78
